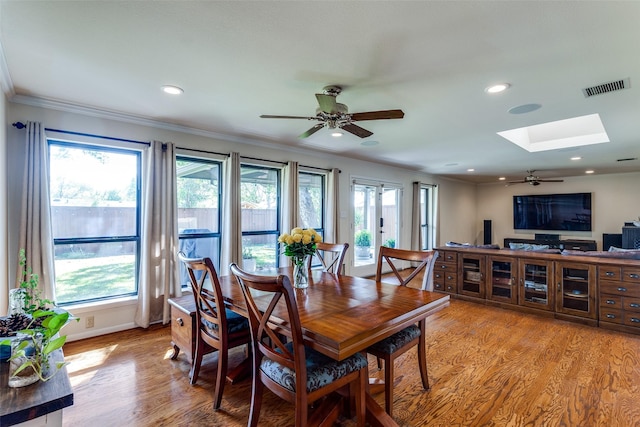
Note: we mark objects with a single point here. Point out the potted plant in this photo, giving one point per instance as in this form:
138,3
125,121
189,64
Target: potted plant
248,260
363,243
31,332
390,243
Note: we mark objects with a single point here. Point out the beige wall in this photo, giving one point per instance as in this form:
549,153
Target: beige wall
614,199
456,205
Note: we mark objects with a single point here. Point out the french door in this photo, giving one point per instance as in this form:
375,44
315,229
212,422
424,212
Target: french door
376,222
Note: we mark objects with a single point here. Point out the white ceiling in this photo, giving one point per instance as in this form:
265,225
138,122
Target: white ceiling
237,60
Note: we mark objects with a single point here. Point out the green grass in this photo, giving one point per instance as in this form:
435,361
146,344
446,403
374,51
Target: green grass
86,279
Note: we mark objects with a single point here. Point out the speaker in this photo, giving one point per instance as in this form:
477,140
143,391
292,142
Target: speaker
609,240
487,231
551,237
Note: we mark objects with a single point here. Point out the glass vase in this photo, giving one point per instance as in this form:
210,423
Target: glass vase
300,271
28,375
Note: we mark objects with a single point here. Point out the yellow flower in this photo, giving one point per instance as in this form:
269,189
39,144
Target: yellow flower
306,238
283,238
297,238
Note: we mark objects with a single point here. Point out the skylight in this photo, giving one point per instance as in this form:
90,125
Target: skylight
575,132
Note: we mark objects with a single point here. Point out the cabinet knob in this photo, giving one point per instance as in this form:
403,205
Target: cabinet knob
634,276
179,321
610,301
609,273
634,305
621,289
611,316
635,320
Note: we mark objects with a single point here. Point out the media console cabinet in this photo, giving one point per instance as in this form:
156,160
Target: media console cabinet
598,291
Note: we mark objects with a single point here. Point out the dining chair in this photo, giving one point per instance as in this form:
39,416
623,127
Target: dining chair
290,369
218,327
399,343
331,256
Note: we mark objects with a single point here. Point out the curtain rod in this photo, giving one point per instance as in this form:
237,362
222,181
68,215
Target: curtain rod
20,125
204,151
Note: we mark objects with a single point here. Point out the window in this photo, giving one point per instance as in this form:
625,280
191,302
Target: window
260,201
199,203
95,214
311,196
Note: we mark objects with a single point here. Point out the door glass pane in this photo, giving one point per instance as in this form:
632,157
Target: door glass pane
198,196
364,220
390,224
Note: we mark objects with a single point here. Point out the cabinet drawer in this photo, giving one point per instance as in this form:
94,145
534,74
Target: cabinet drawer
182,330
445,276
631,275
620,288
443,266
631,304
609,272
447,256
611,315
611,301
632,319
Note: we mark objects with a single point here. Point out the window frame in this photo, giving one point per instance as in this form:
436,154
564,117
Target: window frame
136,239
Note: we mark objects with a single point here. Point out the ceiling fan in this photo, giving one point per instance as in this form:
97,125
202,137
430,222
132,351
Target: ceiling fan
334,115
533,180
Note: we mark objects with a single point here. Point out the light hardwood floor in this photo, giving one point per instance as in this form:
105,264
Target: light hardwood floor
487,367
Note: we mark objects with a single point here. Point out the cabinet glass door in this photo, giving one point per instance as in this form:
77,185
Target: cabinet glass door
535,277
503,280
575,289
472,275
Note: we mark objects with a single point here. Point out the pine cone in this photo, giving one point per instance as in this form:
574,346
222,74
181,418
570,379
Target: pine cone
16,322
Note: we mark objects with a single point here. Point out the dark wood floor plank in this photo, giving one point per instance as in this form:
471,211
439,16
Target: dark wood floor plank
487,366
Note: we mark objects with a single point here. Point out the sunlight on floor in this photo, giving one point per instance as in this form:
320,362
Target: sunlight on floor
83,366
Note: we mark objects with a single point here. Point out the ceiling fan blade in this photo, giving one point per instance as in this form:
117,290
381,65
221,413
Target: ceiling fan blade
268,116
311,131
327,103
550,180
356,130
378,115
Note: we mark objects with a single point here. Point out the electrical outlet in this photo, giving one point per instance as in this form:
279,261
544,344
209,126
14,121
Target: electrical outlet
89,322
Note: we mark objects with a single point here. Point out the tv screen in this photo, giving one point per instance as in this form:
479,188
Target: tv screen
570,212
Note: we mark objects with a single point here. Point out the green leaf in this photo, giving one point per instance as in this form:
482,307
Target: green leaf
54,344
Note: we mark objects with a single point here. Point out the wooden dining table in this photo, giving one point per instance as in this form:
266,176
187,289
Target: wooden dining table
343,315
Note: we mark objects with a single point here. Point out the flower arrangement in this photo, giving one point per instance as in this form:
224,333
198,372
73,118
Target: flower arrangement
300,244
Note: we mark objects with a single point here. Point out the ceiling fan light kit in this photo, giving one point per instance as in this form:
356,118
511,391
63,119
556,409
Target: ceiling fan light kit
531,179
335,115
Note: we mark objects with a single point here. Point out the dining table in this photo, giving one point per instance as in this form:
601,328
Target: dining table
341,315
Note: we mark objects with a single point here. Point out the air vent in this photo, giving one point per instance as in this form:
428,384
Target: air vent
606,88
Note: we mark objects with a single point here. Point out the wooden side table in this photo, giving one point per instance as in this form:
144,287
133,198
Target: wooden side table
183,326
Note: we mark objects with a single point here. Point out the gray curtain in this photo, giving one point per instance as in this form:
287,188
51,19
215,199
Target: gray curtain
35,220
290,202
416,226
331,219
159,270
231,215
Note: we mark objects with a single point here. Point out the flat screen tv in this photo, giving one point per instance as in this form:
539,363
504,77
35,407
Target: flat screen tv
562,212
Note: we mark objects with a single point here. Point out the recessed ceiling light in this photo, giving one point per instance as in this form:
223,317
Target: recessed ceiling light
336,134
172,90
369,143
501,87
589,171
502,178
576,158
470,170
